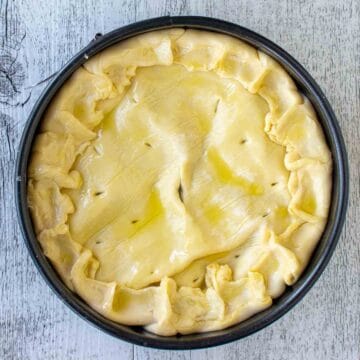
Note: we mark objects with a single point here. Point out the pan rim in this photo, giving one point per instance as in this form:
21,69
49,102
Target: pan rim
321,254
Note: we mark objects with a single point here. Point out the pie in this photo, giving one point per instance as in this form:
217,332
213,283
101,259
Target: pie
179,181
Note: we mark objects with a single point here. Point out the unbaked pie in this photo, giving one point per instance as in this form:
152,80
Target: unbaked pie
179,181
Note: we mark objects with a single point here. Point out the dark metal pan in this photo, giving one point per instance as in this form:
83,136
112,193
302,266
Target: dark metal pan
321,255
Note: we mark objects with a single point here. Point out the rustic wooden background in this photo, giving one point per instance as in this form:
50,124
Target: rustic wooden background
38,36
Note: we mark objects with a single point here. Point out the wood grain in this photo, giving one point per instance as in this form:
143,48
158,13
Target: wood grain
38,36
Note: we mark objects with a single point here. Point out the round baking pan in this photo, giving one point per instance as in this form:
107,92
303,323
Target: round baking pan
322,253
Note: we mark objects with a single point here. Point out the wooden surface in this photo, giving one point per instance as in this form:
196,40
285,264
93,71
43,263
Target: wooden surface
37,37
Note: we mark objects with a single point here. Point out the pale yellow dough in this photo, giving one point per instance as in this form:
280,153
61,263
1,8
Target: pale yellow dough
179,181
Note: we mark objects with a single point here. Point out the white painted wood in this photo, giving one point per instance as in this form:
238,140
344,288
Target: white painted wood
38,36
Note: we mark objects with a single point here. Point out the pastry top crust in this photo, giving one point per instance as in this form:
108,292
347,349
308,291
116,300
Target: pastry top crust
179,181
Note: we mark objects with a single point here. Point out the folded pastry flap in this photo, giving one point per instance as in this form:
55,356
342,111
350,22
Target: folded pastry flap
228,57
79,96
194,274
98,294
269,267
146,306
310,187
53,155
49,207
53,149
64,122
63,252
278,89
119,62
302,241
222,303
242,298
196,50
265,255
244,66
165,309
298,130
289,265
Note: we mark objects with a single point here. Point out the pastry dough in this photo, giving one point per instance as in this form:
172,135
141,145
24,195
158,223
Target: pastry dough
179,181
